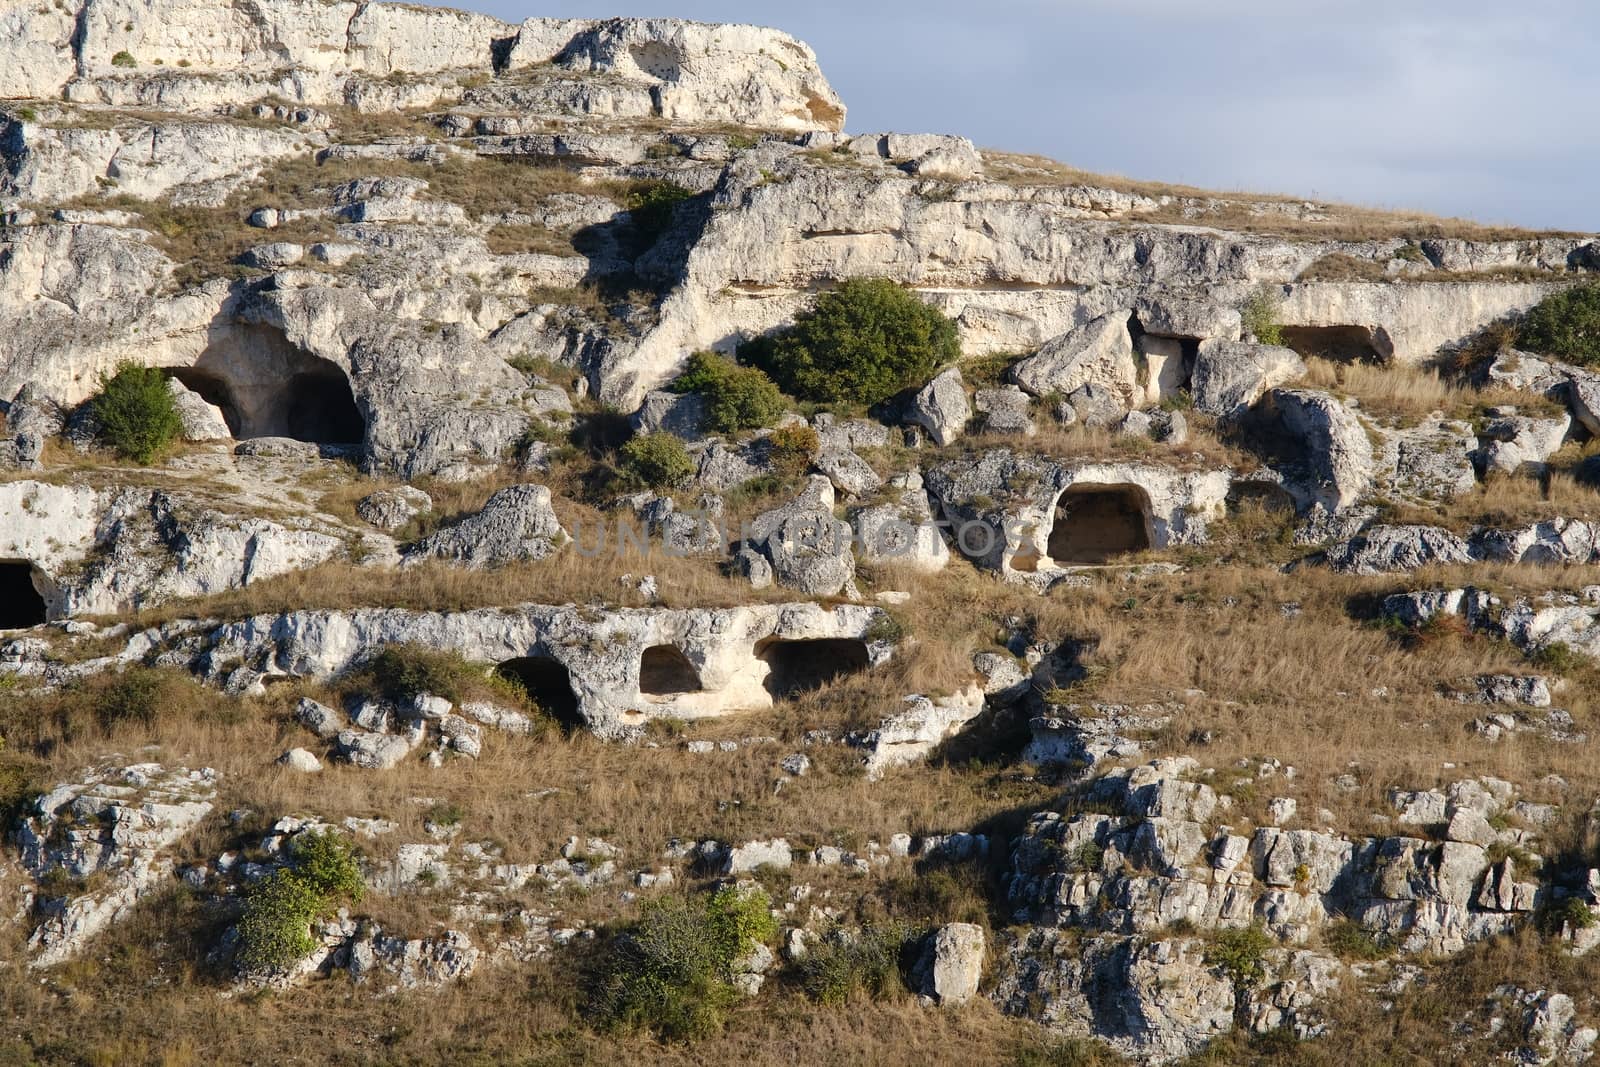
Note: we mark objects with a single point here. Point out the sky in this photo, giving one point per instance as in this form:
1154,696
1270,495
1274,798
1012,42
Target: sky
1456,107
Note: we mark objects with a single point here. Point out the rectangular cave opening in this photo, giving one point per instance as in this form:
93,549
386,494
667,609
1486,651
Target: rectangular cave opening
1095,523
796,667
664,671
1340,344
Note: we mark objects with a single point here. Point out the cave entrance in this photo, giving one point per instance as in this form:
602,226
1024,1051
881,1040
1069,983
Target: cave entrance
321,407
268,386
1094,523
664,671
795,667
21,603
1340,344
548,684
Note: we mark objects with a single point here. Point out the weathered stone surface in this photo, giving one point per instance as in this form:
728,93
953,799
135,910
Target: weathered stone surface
1230,376
951,965
1336,469
115,827
1100,353
393,509
516,524
941,407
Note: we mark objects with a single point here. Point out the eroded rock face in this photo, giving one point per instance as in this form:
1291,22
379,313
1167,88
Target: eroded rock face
105,551
94,848
517,524
596,666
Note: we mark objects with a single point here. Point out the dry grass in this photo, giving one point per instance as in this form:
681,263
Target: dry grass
1408,393
1286,216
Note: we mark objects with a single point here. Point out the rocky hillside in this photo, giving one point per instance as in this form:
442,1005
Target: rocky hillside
530,544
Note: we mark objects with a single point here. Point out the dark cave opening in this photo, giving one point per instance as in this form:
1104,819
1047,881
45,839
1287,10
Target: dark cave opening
664,671
797,667
21,604
1094,523
548,684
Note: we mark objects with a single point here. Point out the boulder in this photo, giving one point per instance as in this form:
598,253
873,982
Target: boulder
1099,353
201,421
940,407
951,966
1336,467
680,414
1005,410
1383,549
299,759
393,509
808,548
1230,376
516,525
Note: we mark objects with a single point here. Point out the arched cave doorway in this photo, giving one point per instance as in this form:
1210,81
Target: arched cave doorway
21,604
548,684
664,671
268,386
796,667
1340,344
1094,523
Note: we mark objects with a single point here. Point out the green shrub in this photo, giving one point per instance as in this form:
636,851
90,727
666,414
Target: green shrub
401,673
651,205
841,964
136,695
861,344
1260,314
137,414
328,866
124,59
657,460
1241,956
275,928
1068,1052
736,398
671,972
1565,325
1570,913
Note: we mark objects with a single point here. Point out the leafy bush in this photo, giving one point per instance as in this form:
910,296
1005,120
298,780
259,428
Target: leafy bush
402,672
793,448
275,929
671,972
124,59
657,460
1571,913
736,398
1260,314
842,964
651,205
1241,956
861,344
137,414
1565,325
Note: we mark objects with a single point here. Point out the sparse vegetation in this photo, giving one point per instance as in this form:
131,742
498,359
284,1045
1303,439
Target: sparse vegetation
861,344
136,412
849,962
671,973
275,927
1260,314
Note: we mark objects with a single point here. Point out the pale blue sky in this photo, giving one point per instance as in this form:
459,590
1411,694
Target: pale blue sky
1488,110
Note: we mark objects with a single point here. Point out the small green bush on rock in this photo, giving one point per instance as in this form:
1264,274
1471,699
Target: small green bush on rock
138,417
1565,325
736,398
864,342
657,460
1260,314
671,973
275,929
